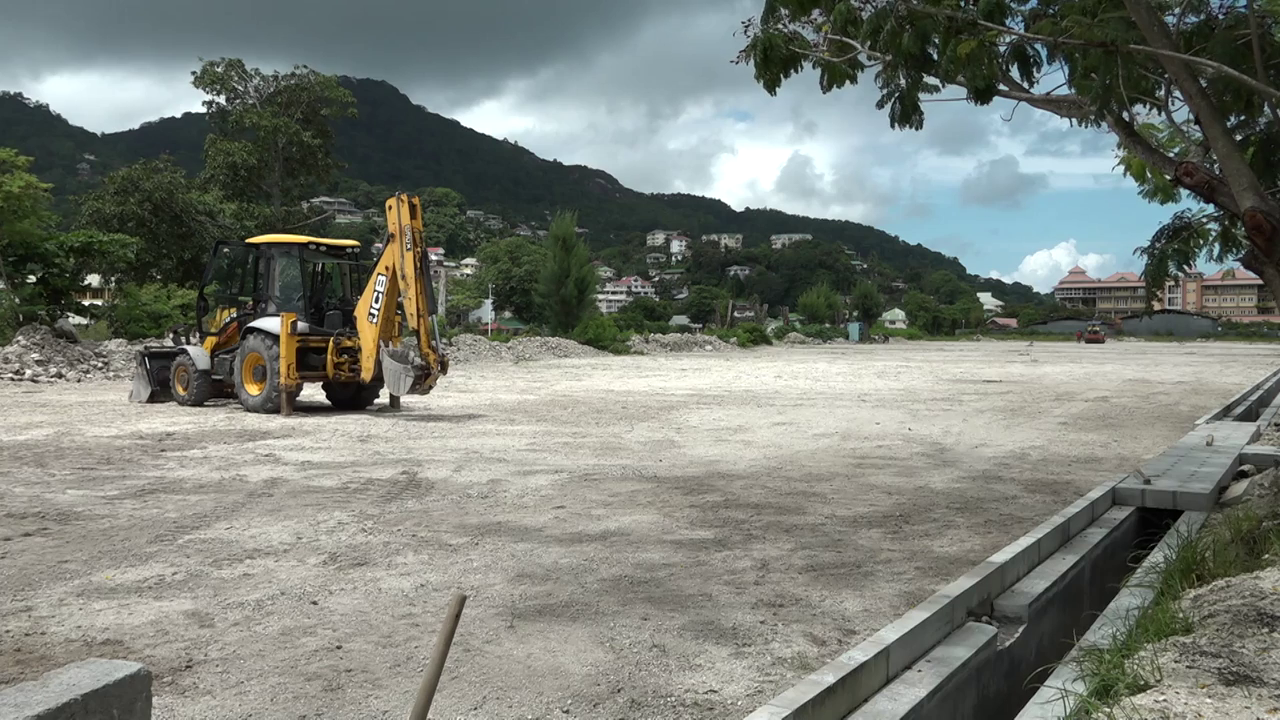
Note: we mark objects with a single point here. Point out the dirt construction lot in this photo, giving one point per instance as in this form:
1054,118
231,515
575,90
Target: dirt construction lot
677,536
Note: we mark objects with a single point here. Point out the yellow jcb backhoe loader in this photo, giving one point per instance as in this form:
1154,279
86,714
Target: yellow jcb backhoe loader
277,311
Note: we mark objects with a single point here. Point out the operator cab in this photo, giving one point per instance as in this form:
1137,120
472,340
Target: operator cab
320,279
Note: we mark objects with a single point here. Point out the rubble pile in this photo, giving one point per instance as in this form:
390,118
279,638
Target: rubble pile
795,338
475,348
658,344
36,354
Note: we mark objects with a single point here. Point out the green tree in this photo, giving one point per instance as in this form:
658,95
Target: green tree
867,304
946,288
40,268
1190,96
568,283
150,310
464,295
819,304
174,221
514,267
271,136
705,304
922,312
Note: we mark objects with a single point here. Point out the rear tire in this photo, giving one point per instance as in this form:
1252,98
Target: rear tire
257,372
351,395
191,386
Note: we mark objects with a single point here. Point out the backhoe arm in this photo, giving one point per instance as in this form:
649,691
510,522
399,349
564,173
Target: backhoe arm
401,274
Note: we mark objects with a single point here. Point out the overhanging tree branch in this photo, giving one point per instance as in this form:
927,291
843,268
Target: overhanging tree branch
1210,65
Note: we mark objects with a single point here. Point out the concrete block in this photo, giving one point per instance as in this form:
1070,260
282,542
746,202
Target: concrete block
914,634
1129,494
94,689
1262,456
1024,599
973,592
909,694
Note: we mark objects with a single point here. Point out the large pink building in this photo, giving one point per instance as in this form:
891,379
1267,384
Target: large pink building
1232,293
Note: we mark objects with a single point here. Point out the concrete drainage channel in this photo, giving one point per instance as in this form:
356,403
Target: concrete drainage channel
991,644
987,646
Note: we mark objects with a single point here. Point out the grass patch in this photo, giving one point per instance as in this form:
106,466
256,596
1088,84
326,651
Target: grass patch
1236,541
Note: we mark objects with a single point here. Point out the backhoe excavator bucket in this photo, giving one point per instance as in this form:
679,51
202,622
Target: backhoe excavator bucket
399,371
151,374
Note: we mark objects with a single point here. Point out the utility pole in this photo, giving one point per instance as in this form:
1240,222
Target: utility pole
490,311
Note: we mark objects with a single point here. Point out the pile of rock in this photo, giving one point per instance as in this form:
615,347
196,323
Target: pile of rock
475,348
37,354
658,344
795,338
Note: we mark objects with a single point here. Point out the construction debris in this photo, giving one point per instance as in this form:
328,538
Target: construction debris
36,354
659,344
795,338
475,348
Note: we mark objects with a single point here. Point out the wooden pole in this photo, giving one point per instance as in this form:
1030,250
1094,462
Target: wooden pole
427,692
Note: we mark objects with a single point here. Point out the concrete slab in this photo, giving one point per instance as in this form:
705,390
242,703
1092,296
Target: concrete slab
1189,475
909,695
94,689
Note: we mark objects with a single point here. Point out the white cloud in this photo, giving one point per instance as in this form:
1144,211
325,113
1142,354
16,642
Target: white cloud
1043,268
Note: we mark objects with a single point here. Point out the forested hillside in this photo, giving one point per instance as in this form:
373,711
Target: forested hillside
394,144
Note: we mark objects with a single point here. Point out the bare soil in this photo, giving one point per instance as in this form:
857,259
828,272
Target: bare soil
672,536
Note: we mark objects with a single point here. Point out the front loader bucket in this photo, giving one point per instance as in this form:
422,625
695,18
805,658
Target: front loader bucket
398,372
151,374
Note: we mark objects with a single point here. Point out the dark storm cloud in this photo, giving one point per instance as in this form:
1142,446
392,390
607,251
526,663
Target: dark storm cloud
457,47
1001,183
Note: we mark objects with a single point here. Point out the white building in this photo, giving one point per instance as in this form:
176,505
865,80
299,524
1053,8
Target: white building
781,240
468,266
990,305
679,246
344,211
658,238
605,272
638,286
726,241
655,258
613,296
739,271
894,318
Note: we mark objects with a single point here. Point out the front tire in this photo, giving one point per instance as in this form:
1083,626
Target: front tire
258,373
191,386
351,395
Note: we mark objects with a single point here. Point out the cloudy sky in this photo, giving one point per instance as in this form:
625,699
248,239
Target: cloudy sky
644,89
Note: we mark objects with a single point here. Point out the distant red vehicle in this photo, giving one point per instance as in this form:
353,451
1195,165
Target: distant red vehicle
1095,335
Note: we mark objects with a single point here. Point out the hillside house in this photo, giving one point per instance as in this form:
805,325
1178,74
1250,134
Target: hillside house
342,209
726,241
679,245
475,215
613,296
658,238
990,305
469,266
782,240
605,272
738,271
524,231
671,273
655,258
894,319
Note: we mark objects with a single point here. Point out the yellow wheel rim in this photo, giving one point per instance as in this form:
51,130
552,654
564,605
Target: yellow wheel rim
253,373
181,379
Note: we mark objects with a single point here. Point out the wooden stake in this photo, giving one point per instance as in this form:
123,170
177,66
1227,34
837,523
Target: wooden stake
427,692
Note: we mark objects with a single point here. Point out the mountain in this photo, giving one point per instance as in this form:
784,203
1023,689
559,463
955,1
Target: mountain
396,144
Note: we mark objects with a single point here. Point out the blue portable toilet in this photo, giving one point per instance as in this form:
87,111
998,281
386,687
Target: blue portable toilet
855,332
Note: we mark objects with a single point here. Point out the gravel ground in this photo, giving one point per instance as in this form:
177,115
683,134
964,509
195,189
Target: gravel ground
669,536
